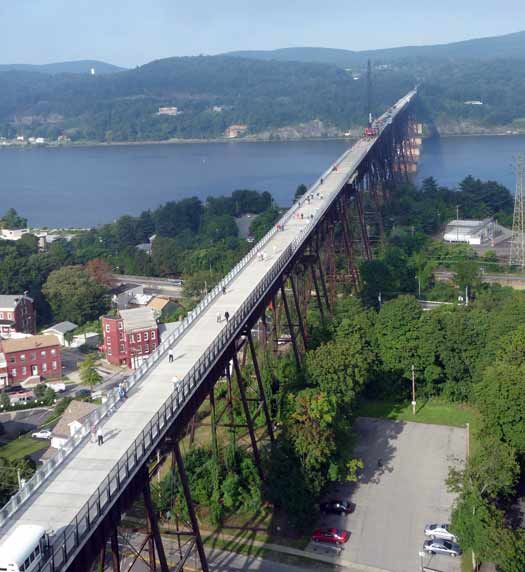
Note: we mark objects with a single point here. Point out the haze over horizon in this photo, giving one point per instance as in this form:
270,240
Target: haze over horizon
131,33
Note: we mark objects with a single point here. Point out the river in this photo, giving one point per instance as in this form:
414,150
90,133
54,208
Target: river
86,186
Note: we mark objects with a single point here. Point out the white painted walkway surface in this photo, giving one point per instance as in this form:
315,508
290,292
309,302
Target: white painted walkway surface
56,503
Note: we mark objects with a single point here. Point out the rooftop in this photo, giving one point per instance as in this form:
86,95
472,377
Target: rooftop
138,318
158,303
9,301
62,327
29,343
76,411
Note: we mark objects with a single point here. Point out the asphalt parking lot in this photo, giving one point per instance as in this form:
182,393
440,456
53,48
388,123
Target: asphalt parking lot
402,489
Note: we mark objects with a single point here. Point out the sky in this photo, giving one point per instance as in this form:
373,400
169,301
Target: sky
133,32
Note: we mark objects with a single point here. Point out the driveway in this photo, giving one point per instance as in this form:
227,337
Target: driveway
402,488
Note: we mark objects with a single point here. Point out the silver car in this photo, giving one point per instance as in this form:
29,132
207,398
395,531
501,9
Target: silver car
440,531
440,546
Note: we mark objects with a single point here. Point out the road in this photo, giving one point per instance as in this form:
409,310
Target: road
151,285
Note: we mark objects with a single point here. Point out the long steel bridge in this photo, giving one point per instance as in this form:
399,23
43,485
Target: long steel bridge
81,494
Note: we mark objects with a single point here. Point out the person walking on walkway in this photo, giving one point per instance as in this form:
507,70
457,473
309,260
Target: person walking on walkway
100,436
93,436
170,355
223,290
219,317
227,315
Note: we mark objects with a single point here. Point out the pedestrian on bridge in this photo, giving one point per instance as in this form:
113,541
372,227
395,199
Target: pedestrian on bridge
170,355
100,436
219,317
223,290
227,315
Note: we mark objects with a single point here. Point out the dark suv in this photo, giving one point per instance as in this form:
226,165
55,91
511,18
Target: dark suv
337,506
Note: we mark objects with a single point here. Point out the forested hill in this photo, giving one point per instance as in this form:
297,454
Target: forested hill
274,99
509,46
79,66
210,92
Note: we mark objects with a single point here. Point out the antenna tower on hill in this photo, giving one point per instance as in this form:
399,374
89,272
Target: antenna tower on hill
517,244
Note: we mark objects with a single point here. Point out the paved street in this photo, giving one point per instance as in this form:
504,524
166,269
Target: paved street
402,489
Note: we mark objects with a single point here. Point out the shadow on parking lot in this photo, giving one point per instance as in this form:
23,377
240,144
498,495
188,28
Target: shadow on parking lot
380,439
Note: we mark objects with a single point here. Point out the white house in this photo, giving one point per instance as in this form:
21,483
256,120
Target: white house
73,418
60,330
13,233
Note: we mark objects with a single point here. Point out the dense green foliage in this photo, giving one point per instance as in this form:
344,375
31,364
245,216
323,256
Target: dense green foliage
199,241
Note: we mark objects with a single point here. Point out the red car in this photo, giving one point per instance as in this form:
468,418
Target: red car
332,535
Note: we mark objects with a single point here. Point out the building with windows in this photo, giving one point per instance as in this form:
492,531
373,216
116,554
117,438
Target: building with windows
17,314
474,232
34,356
130,336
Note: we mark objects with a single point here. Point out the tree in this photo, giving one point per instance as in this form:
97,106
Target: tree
300,191
88,374
12,220
99,270
5,402
73,295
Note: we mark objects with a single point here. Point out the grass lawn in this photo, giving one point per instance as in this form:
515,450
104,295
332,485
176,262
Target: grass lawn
427,411
22,447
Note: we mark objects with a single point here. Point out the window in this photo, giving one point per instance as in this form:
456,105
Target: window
146,336
24,370
54,364
1,315
108,342
9,315
109,352
121,336
107,328
139,338
146,348
132,338
53,352
44,367
43,354
11,359
13,372
121,348
152,335
120,326
32,356
22,357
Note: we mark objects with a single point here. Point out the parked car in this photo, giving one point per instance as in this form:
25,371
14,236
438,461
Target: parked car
440,531
337,506
42,434
331,535
440,546
81,393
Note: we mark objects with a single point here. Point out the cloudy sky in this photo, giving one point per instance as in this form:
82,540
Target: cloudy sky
132,32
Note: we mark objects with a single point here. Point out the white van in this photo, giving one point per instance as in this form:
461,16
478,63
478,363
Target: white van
24,549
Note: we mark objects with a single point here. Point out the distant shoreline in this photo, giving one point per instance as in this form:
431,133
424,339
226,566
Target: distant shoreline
244,140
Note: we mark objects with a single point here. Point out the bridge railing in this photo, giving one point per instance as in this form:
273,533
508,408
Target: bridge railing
67,540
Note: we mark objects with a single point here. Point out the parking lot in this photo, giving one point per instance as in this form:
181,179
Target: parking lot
402,489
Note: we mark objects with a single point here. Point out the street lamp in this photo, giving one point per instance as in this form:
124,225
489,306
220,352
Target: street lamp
413,390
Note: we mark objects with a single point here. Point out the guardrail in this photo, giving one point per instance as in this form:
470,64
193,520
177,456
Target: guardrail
73,535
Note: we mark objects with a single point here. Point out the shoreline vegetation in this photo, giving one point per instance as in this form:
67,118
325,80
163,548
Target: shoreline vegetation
251,139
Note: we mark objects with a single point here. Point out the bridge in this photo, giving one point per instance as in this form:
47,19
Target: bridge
80,495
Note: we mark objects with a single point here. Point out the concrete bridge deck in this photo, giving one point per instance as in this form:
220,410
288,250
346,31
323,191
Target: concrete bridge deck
59,499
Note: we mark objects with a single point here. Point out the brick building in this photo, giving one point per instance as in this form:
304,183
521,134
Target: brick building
130,336
17,314
34,356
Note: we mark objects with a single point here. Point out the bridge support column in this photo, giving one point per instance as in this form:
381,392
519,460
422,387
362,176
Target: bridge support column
291,327
367,252
155,541
115,553
317,294
102,559
260,385
322,280
247,414
298,310
347,238
191,511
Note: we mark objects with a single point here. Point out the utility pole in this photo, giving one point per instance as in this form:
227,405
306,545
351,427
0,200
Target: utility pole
413,389
369,93
517,243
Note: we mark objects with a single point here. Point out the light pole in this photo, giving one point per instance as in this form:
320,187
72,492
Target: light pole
421,556
413,390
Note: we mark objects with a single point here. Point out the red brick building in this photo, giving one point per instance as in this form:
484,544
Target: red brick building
34,356
130,336
17,314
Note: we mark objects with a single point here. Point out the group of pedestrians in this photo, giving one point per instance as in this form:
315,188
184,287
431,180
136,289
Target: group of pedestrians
97,435
226,316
